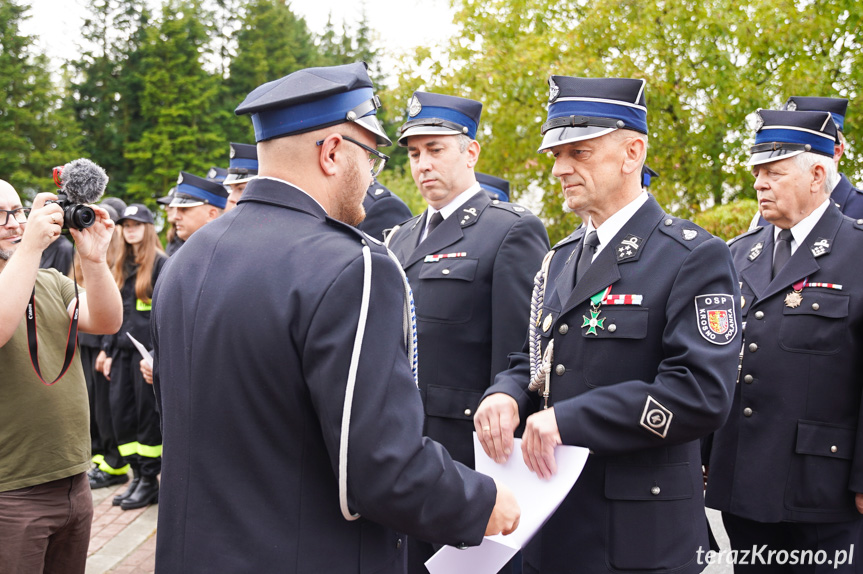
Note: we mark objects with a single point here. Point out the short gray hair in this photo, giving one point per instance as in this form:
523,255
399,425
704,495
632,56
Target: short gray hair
807,160
463,142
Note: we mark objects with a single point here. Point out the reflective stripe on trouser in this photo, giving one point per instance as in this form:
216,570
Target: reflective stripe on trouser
135,420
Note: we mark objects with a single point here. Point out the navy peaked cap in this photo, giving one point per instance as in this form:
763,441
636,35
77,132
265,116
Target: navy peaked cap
496,187
836,106
646,175
586,108
430,114
166,200
192,190
217,174
314,98
781,134
244,163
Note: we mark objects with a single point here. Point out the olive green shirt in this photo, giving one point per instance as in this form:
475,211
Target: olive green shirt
44,430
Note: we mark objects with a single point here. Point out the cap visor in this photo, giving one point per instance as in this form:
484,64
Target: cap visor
426,131
165,200
768,156
186,202
560,136
373,124
235,178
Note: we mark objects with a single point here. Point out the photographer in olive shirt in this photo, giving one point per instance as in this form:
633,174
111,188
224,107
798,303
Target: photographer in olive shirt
45,502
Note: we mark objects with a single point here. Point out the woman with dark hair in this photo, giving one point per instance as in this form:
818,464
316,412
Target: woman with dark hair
133,404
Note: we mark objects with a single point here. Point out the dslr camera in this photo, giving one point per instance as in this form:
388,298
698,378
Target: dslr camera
75,215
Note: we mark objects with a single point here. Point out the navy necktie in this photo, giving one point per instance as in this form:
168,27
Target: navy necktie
434,221
783,251
587,253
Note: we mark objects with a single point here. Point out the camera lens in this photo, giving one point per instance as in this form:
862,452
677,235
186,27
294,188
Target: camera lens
79,216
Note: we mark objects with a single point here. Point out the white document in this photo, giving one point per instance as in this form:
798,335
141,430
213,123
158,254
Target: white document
148,358
537,498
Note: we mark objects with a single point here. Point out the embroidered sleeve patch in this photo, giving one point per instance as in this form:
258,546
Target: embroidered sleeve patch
715,317
655,417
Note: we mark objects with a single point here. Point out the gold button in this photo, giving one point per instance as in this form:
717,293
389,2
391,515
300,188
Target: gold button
759,314
467,412
747,412
563,329
399,543
815,306
655,490
748,379
834,448
445,271
753,347
612,328
559,370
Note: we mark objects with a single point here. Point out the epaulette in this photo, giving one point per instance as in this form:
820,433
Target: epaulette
378,192
755,229
512,207
684,231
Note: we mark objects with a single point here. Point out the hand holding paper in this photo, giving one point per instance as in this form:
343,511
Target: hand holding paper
537,498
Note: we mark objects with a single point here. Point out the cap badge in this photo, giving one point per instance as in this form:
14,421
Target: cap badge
131,210
180,179
759,121
791,106
553,91
212,173
415,107
233,152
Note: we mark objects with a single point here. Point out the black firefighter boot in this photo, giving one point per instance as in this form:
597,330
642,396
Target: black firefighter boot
145,494
136,472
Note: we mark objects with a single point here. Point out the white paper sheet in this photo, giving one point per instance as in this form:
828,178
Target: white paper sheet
537,498
145,353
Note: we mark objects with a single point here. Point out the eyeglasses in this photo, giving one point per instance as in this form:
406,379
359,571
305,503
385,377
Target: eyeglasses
20,214
377,160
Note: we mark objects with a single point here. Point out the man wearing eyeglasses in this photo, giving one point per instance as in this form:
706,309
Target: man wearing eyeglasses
471,262
291,420
45,502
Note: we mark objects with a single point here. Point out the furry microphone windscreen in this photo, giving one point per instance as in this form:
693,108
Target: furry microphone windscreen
83,181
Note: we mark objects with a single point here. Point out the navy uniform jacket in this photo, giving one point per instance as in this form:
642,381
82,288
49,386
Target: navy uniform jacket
656,377
847,198
796,454
384,210
254,327
471,309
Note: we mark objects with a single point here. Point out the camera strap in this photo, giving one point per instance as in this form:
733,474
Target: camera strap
71,339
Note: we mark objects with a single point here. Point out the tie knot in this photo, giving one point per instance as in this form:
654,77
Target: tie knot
785,235
591,241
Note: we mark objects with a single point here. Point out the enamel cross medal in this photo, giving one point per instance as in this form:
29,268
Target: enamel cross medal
594,321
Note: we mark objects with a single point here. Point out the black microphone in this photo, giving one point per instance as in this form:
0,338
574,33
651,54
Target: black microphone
81,182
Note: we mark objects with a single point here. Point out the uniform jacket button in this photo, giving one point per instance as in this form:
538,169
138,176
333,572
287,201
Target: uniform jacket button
612,328
834,448
467,412
445,271
753,347
399,543
759,314
563,329
462,546
747,412
815,306
668,222
559,370
655,491
748,379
